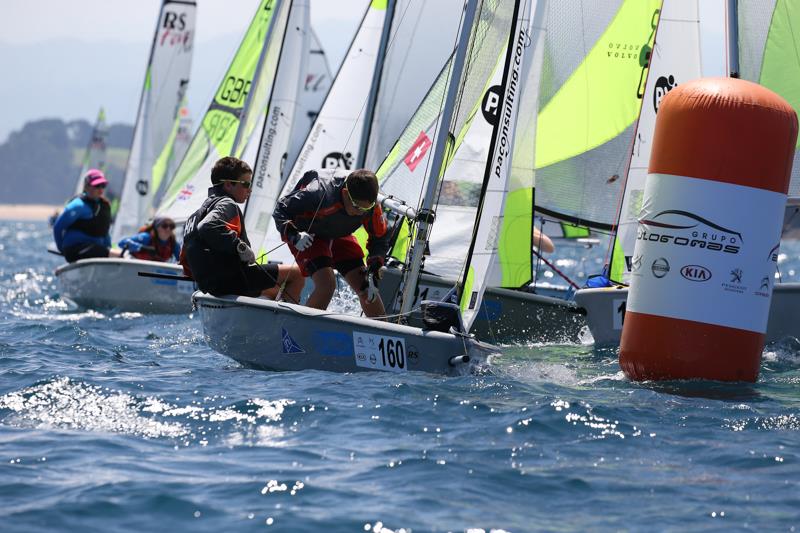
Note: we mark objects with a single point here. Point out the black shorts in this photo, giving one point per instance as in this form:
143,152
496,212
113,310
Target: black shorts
251,281
84,251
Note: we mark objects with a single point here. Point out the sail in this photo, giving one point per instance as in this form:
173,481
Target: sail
335,137
95,155
420,42
227,114
499,109
316,83
167,163
280,120
165,84
675,60
590,93
769,54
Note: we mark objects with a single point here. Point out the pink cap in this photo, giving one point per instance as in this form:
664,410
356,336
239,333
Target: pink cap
94,177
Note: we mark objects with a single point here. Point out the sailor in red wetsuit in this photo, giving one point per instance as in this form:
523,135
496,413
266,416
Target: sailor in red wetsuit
154,242
317,220
216,251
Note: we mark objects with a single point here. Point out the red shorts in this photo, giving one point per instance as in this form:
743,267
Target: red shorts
344,254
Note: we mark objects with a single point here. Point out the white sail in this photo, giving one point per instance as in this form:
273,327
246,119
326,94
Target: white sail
234,114
166,81
675,60
335,138
95,155
316,82
280,121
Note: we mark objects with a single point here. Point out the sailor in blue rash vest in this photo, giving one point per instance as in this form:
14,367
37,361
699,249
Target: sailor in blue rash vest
154,242
81,230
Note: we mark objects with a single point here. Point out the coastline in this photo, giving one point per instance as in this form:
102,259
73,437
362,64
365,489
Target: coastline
27,212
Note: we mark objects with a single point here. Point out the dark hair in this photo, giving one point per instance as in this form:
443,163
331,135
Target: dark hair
362,185
229,168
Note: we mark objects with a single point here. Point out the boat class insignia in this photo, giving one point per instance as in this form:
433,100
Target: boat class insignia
289,344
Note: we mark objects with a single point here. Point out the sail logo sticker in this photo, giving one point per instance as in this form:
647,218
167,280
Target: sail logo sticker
338,160
695,273
660,267
417,151
186,192
663,86
490,107
289,344
141,187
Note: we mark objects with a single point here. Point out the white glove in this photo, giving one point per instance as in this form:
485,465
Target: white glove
372,290
245,253
303,241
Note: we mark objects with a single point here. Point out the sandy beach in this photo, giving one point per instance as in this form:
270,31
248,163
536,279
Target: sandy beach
27,211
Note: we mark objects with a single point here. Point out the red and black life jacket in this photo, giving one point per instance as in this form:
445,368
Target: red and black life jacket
160,252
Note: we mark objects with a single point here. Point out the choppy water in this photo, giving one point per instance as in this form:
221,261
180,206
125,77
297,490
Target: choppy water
119,422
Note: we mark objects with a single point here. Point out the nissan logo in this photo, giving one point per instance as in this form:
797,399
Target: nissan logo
696,273
660,267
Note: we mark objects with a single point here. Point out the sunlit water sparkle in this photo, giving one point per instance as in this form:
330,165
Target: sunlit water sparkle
120,421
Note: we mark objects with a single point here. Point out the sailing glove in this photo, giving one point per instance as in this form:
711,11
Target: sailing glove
245,253
303,240
374,265
372,290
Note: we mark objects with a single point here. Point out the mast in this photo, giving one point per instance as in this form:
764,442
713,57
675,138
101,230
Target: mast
376,82
444,144
256,76
732,20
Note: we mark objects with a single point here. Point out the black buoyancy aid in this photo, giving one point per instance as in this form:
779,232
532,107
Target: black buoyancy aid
99,224
160,252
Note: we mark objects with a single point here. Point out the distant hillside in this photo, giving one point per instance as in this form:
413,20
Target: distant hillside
39,164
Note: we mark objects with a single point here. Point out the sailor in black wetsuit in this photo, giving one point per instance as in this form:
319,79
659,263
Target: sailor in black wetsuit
216,251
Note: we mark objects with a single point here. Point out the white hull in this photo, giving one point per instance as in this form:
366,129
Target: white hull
116,284
272,335
505,316
605,310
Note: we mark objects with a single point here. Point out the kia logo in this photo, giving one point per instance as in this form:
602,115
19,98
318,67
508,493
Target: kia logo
696,273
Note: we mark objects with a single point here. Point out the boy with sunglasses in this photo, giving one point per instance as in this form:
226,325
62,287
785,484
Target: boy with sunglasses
81,230
154,242
317,220
216,251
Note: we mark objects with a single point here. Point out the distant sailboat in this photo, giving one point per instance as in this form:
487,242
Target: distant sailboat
95,154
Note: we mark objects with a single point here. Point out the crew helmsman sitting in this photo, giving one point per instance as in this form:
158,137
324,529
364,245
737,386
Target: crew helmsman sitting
81,230
155,241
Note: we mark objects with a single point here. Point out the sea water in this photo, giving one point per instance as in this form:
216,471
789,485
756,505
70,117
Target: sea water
122,421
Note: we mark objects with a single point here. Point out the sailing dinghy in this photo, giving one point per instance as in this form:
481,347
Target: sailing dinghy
281,336
114,282
757,52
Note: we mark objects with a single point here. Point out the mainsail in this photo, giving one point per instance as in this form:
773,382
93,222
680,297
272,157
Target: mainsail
335,139
233,113
95,155
675,60
279,123
165,84
769,54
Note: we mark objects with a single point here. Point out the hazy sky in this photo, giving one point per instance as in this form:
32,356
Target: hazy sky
66,84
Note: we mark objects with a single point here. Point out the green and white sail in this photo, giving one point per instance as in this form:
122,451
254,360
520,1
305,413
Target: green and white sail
165,83
95,154
279,123
234,113
486,264
335,139
769,54
591,84
676,59
167,163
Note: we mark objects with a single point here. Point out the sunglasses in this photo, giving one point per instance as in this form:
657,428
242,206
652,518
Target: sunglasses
245,184
101,186
356,206
168,225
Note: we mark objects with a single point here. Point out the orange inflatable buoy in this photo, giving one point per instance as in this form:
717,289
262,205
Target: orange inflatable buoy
708,234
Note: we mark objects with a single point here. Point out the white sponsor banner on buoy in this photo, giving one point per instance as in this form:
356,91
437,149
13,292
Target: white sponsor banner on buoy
706,251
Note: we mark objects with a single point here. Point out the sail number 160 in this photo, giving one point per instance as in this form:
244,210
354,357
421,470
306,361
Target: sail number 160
393,353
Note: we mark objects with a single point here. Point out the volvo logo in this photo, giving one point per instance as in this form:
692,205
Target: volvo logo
660,267
696,273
